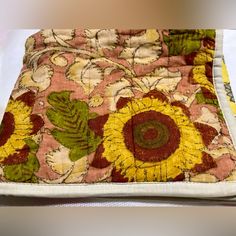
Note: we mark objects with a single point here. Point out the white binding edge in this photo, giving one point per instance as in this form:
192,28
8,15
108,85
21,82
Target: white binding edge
220,89
178,189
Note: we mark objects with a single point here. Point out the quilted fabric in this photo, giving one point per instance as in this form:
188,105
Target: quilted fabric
109,105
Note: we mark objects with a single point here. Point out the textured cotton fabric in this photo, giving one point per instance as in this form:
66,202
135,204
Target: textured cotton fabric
101,106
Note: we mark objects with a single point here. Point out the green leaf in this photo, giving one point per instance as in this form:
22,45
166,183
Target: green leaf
32,145
184,42
71,119
202,33
34,179
220,115
77,153
92,115
70,139
201,99
22,172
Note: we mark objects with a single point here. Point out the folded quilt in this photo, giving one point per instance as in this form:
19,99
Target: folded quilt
108,105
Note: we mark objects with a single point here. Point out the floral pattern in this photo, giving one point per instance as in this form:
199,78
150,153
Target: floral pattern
17,131
152,140
113,105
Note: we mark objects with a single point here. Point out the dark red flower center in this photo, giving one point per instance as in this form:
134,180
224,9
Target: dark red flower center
151,133
151,136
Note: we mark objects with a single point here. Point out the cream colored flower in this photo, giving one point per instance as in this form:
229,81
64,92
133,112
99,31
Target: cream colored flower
208,118
57,35
204,178
161,79
95,101
30,44
101,38
71,172
121,88
58,59
40,78
143,49
86,74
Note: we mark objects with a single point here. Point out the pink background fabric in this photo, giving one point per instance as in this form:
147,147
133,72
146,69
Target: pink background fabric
8,37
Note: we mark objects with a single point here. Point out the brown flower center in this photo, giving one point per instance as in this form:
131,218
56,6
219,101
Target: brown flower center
151,136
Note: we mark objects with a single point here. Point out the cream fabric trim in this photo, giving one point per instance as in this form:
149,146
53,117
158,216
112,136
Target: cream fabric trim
220,89
178,189
174,189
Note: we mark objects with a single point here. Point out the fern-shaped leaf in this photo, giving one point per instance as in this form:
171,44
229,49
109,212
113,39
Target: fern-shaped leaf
71,120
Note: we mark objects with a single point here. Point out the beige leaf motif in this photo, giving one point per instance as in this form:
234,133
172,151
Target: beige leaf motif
142,49
106,175
215,153
86,74
71,172
121,88
40,78
102,38
95,101
161,79
58,160
58,60
208,118
30,44
180,97
57,35
79,170
204,178
109,70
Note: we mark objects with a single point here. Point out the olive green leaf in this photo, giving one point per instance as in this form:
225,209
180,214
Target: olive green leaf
184,42
211,101
71,119
32,145
23,172
201,99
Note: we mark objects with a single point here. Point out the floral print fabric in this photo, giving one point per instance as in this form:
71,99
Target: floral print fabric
110,105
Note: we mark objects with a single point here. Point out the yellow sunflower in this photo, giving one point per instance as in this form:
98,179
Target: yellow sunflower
202,68
176,147
187,154
200,77
18,124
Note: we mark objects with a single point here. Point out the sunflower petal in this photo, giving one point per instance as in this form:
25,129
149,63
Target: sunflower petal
97,124
37,123
99,161
208,132
118,177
